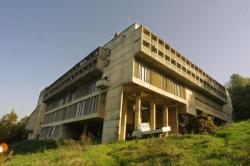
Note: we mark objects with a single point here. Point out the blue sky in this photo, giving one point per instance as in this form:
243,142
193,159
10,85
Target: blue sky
40,40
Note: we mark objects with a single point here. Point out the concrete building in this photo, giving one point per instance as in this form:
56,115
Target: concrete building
136,77
36,119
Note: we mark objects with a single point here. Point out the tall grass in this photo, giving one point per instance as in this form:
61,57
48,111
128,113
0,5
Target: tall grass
229,145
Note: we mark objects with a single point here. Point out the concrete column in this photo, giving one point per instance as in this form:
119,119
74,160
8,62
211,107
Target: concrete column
177,120
123,119
138,112
112,117
61,132
173,120
152,115
165,116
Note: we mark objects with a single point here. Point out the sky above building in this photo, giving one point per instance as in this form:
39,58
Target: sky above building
40,40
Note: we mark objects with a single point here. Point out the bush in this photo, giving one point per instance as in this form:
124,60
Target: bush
201,124
32,146
12,130
86,139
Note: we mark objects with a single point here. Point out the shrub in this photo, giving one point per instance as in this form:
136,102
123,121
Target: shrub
201,124
86,139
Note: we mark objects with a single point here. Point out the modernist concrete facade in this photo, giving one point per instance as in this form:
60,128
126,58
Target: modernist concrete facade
135,77
36,119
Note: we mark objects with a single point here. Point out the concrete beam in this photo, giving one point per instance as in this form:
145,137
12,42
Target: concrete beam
165,116
123,119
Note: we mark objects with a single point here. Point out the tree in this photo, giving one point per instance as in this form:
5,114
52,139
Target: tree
239,89
10,117
21,133
12,130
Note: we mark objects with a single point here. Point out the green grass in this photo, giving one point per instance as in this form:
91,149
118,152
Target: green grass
229,145
24,147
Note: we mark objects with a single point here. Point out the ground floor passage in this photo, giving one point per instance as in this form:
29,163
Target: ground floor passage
137,106
140,106
77,130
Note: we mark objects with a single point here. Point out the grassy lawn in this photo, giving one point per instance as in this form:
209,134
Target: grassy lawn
229,145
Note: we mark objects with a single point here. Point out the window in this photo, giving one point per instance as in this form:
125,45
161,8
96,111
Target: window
178,55
73,96
154,49
144,74
197,78
161,54
193,75
146,44
184,69
158,80
173,62
177,90
153,37
196,68
179,65
82,110
167,46
200,71
78,109
60,102
167,58
95,104
146,32
92,87
161,43
172,50
183,59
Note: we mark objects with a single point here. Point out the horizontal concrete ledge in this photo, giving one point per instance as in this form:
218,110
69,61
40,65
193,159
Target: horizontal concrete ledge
157,90
85,117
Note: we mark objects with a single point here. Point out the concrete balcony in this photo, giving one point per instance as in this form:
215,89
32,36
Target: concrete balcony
84,108
102,84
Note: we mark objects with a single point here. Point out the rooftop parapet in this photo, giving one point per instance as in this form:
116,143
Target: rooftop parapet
154,49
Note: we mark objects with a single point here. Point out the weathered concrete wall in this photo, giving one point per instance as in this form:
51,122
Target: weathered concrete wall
228,108
36,119
196,101
173,120
118,72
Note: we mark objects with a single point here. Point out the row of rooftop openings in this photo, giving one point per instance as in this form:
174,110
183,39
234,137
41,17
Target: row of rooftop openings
206,84
82,67
70,96
207,81
178,55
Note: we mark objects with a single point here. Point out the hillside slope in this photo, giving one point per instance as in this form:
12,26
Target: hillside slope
229,145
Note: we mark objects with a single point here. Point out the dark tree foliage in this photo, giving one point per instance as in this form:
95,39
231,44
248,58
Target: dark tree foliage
12,130
239,89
